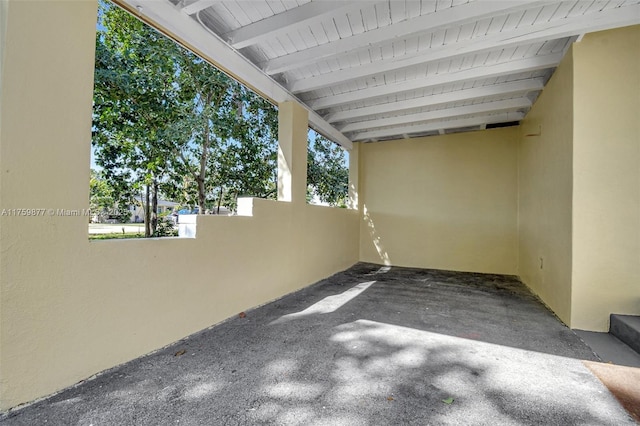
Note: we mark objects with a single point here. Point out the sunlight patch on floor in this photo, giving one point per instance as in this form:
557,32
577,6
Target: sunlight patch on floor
378,357
201,390
328,304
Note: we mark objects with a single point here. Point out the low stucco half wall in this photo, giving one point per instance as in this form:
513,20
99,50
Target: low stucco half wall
73,307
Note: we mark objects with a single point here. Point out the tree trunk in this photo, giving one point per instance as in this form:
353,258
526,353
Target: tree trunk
147,213
220,199
201,195
154,208
203,162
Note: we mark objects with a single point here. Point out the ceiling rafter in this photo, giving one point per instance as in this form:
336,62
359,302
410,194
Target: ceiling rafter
440,125
509,88
287,21
481,108
197,5
460,14
540,33
496,70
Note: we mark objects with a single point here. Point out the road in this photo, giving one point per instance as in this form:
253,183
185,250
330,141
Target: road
107,228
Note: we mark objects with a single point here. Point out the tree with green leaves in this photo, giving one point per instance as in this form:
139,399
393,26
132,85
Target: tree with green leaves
101,199
251,156
228,137
166,121
327,171
135,101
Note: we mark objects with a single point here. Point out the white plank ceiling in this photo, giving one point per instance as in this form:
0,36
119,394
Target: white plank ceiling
371,70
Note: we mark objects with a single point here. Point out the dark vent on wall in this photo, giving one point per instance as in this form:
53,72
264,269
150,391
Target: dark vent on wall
423,134
507,124
462,129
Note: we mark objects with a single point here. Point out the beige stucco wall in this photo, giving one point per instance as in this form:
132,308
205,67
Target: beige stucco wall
579,183
443,202
4,12
70,308
545,191
606,176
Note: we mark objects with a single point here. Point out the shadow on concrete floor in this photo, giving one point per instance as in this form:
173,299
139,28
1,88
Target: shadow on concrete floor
369,346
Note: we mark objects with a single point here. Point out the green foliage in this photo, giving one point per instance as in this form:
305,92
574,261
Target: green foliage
327,172
166,228
135,101
229,140
102,200
168,123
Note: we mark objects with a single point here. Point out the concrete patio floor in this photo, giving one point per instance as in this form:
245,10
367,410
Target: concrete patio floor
369,346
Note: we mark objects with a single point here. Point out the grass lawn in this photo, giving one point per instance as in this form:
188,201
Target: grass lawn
119,231
115,236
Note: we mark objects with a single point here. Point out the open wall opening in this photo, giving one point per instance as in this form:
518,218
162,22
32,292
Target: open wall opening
172,134
327,172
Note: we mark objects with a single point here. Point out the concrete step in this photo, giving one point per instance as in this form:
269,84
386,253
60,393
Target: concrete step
627,329
609,349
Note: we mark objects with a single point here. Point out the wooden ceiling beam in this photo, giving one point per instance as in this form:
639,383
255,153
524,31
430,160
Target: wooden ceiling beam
512,87
551,30
482,108
440,125
481,72
197,5
459,15
289,20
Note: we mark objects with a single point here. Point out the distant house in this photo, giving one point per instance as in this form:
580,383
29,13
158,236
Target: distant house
137,210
